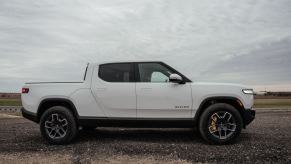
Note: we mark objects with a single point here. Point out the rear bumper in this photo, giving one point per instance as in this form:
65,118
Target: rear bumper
29,115
248,116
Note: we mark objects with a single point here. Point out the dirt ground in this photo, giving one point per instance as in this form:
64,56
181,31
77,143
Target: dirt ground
267,139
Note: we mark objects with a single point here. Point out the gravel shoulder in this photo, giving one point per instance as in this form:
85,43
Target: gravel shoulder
267,139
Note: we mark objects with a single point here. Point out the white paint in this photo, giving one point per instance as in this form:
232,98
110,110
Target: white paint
97,98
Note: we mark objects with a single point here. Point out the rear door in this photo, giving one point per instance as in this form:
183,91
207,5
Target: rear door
114,89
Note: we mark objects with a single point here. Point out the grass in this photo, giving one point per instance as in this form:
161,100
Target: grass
259,103
10,102
12,113
272,103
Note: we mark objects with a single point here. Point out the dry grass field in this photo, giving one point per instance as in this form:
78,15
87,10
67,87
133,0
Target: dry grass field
10,102
272,103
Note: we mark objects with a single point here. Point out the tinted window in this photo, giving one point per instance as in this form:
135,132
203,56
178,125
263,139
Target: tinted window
119,72
154,72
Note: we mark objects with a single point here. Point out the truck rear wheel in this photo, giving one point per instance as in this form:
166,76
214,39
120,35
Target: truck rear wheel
220,124
58,125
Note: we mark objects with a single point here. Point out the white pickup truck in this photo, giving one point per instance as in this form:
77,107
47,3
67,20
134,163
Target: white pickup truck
137,94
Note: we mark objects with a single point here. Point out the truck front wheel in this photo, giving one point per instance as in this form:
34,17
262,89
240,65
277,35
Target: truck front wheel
220,124
58,125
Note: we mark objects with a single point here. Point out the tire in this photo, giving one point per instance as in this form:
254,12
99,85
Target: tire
58,125
220,124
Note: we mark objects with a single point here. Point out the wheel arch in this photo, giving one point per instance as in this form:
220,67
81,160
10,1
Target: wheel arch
50,102
234,101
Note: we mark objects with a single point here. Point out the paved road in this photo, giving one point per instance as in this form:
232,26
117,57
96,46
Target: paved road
268,139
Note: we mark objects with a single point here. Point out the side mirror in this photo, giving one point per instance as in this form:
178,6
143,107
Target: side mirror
175,78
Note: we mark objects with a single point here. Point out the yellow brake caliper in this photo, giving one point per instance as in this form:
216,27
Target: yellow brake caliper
213,124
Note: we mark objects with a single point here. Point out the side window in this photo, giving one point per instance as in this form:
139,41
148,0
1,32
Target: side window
153,73
119,72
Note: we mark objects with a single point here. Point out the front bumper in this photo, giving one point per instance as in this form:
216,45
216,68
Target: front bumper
29,115
248,116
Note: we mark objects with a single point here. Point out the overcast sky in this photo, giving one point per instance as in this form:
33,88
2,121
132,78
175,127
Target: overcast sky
245,41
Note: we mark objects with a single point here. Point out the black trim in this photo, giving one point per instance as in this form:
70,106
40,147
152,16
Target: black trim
136,122
53,100
177,81
136,72
248,116
29,115
86,72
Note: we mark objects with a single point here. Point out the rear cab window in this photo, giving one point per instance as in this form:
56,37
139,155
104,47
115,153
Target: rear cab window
116,72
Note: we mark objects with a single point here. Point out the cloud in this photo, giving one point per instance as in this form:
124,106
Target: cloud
265,65
53,40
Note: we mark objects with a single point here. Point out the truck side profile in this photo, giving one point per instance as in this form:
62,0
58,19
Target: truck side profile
137,94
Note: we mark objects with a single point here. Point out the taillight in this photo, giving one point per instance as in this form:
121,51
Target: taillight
25,90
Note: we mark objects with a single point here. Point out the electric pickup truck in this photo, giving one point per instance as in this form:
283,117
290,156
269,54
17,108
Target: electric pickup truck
137,94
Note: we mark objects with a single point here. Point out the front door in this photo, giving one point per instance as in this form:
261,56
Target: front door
159,98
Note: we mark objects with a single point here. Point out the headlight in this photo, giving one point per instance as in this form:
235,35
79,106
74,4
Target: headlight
248,91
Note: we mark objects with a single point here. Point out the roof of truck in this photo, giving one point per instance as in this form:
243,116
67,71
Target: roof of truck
123,61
